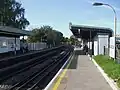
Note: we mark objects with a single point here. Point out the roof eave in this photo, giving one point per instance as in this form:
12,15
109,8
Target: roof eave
15,31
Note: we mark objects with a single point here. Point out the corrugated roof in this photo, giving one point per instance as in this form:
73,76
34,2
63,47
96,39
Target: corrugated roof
90,27
85,30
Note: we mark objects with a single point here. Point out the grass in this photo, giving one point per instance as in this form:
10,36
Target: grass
110,67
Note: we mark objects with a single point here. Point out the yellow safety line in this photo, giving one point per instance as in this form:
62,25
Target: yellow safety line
61,76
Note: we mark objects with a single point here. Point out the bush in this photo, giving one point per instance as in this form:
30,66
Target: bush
110,67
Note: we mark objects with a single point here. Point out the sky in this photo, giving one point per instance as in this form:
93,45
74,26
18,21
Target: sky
58,14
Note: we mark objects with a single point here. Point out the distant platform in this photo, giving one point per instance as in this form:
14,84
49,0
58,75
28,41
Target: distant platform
77,48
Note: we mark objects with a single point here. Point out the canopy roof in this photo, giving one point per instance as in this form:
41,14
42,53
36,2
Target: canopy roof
5,30
84,32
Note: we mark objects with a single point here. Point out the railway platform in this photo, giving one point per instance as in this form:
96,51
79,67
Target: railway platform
80,74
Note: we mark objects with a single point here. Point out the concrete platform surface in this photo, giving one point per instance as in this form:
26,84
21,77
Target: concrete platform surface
83,75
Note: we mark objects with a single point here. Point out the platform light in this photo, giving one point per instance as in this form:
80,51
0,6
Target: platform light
97,4
115,19
79,31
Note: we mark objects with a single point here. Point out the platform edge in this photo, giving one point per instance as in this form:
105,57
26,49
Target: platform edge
108,80
50,83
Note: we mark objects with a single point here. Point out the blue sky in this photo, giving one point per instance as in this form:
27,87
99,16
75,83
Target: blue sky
58,13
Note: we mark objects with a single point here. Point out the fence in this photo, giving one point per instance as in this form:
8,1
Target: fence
106,51
36,46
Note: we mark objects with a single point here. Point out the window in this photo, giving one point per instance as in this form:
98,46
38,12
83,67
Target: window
3,43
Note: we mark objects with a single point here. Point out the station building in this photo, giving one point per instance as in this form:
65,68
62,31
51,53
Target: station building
10,38
97,38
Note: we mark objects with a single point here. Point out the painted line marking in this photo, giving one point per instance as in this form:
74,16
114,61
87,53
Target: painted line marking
62,75
48,86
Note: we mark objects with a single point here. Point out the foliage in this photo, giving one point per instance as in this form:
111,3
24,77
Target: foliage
46,34
65,39
58,37
110,67
73,40
12,14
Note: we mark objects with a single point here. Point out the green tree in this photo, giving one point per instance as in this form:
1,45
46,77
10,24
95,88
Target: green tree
58,37
51,35
12,14
73,40
64,39
38,35
46,33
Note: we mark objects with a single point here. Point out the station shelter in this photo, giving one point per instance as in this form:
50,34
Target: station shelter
10,38
97,38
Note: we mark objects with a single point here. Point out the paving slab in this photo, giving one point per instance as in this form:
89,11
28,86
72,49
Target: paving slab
83,75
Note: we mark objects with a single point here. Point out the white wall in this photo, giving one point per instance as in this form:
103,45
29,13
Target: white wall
8,44
103,41
17,43
90,47
37,46
95,48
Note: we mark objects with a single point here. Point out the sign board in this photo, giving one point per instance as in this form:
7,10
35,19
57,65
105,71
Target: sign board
112,47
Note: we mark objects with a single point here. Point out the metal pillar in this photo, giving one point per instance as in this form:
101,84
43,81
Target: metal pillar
15,47
92,42
89,45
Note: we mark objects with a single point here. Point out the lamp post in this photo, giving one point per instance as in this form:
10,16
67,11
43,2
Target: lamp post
115,20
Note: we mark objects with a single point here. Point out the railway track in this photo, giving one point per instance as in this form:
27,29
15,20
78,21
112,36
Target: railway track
5,73
14,60
47,67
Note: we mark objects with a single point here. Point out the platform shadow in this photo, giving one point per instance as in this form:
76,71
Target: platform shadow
74,62
79,52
